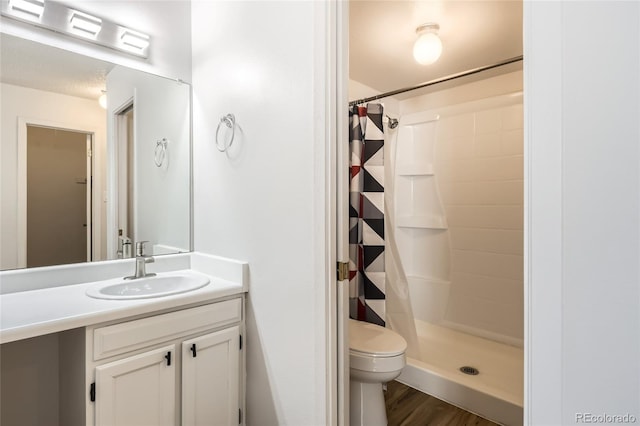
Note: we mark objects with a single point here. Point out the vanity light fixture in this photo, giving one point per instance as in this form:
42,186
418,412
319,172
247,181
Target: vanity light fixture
134,40
28,8
57,17
85,24
428,47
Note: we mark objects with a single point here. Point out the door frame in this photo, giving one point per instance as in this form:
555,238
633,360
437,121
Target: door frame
21,196
124,145
335,40
115,129
342,203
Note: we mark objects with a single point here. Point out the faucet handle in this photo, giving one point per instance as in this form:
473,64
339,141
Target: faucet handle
140,248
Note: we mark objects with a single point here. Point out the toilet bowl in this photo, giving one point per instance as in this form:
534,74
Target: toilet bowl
376,356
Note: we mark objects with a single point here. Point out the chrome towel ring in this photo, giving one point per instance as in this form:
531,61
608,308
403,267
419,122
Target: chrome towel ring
160,152
228,120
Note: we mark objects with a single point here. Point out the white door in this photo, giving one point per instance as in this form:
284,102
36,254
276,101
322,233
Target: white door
137,391
210,379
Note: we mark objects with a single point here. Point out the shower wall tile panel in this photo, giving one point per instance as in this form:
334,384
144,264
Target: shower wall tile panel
511,141
482,193
479,166
487,315
481,169
488,264
500,241
489,288
485,217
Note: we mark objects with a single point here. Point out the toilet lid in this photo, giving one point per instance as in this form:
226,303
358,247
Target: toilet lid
374,340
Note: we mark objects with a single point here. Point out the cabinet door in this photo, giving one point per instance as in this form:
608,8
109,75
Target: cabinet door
137,391
210,379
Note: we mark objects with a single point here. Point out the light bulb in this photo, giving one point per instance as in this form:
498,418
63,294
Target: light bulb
427,48
102,100
85,25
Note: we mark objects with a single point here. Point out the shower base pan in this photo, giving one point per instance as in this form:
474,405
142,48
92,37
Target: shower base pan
495,392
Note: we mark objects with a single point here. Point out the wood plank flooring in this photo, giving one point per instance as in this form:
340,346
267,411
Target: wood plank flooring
409,407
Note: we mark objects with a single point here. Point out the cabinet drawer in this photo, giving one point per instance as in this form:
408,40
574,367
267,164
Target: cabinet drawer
130,336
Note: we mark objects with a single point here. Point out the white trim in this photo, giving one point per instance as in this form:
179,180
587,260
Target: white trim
335,130
114,131
90,148
21,196
332,87
342,205
543,212
325,209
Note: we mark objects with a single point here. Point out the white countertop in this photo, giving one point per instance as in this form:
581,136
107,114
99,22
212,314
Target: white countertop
36,312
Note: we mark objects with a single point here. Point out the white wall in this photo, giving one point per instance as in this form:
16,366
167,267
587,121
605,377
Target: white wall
582,95
161,194
359,91
263,200
65,111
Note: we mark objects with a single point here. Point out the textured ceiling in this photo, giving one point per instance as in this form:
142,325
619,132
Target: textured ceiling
29,64
473,34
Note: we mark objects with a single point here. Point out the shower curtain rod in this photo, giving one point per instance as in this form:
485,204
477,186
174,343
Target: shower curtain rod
438,80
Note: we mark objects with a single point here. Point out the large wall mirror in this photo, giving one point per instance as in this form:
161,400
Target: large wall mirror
82,181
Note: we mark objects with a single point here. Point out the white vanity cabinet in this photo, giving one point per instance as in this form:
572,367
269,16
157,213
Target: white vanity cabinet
209,378
139,390
177,368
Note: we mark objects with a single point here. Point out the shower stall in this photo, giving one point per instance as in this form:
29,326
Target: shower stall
458,203
454,243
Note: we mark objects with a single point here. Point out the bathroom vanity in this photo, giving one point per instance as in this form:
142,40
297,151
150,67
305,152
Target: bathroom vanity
71,359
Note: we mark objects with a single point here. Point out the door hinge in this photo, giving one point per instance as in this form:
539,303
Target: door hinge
343,271
89,153
92,392
239,416
241,342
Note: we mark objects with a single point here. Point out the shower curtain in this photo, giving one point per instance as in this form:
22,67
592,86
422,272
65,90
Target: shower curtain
378,286
366,214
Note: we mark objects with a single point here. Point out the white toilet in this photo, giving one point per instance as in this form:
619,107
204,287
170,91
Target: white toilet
376,356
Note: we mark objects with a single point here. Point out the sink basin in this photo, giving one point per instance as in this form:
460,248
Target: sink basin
164,284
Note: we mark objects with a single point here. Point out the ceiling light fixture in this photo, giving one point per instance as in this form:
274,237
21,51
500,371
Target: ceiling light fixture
134,40
428,47
85,24
102,100
31,8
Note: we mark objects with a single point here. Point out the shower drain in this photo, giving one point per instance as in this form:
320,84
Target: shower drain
472,371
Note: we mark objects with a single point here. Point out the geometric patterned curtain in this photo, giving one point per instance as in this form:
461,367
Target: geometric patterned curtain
366,214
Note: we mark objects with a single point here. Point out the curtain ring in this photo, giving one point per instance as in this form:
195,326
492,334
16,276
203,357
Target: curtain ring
229,120
160,152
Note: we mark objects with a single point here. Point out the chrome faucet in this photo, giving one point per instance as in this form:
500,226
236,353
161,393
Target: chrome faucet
141,262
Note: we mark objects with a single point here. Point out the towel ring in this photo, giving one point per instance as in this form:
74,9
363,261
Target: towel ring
160,152
228,120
